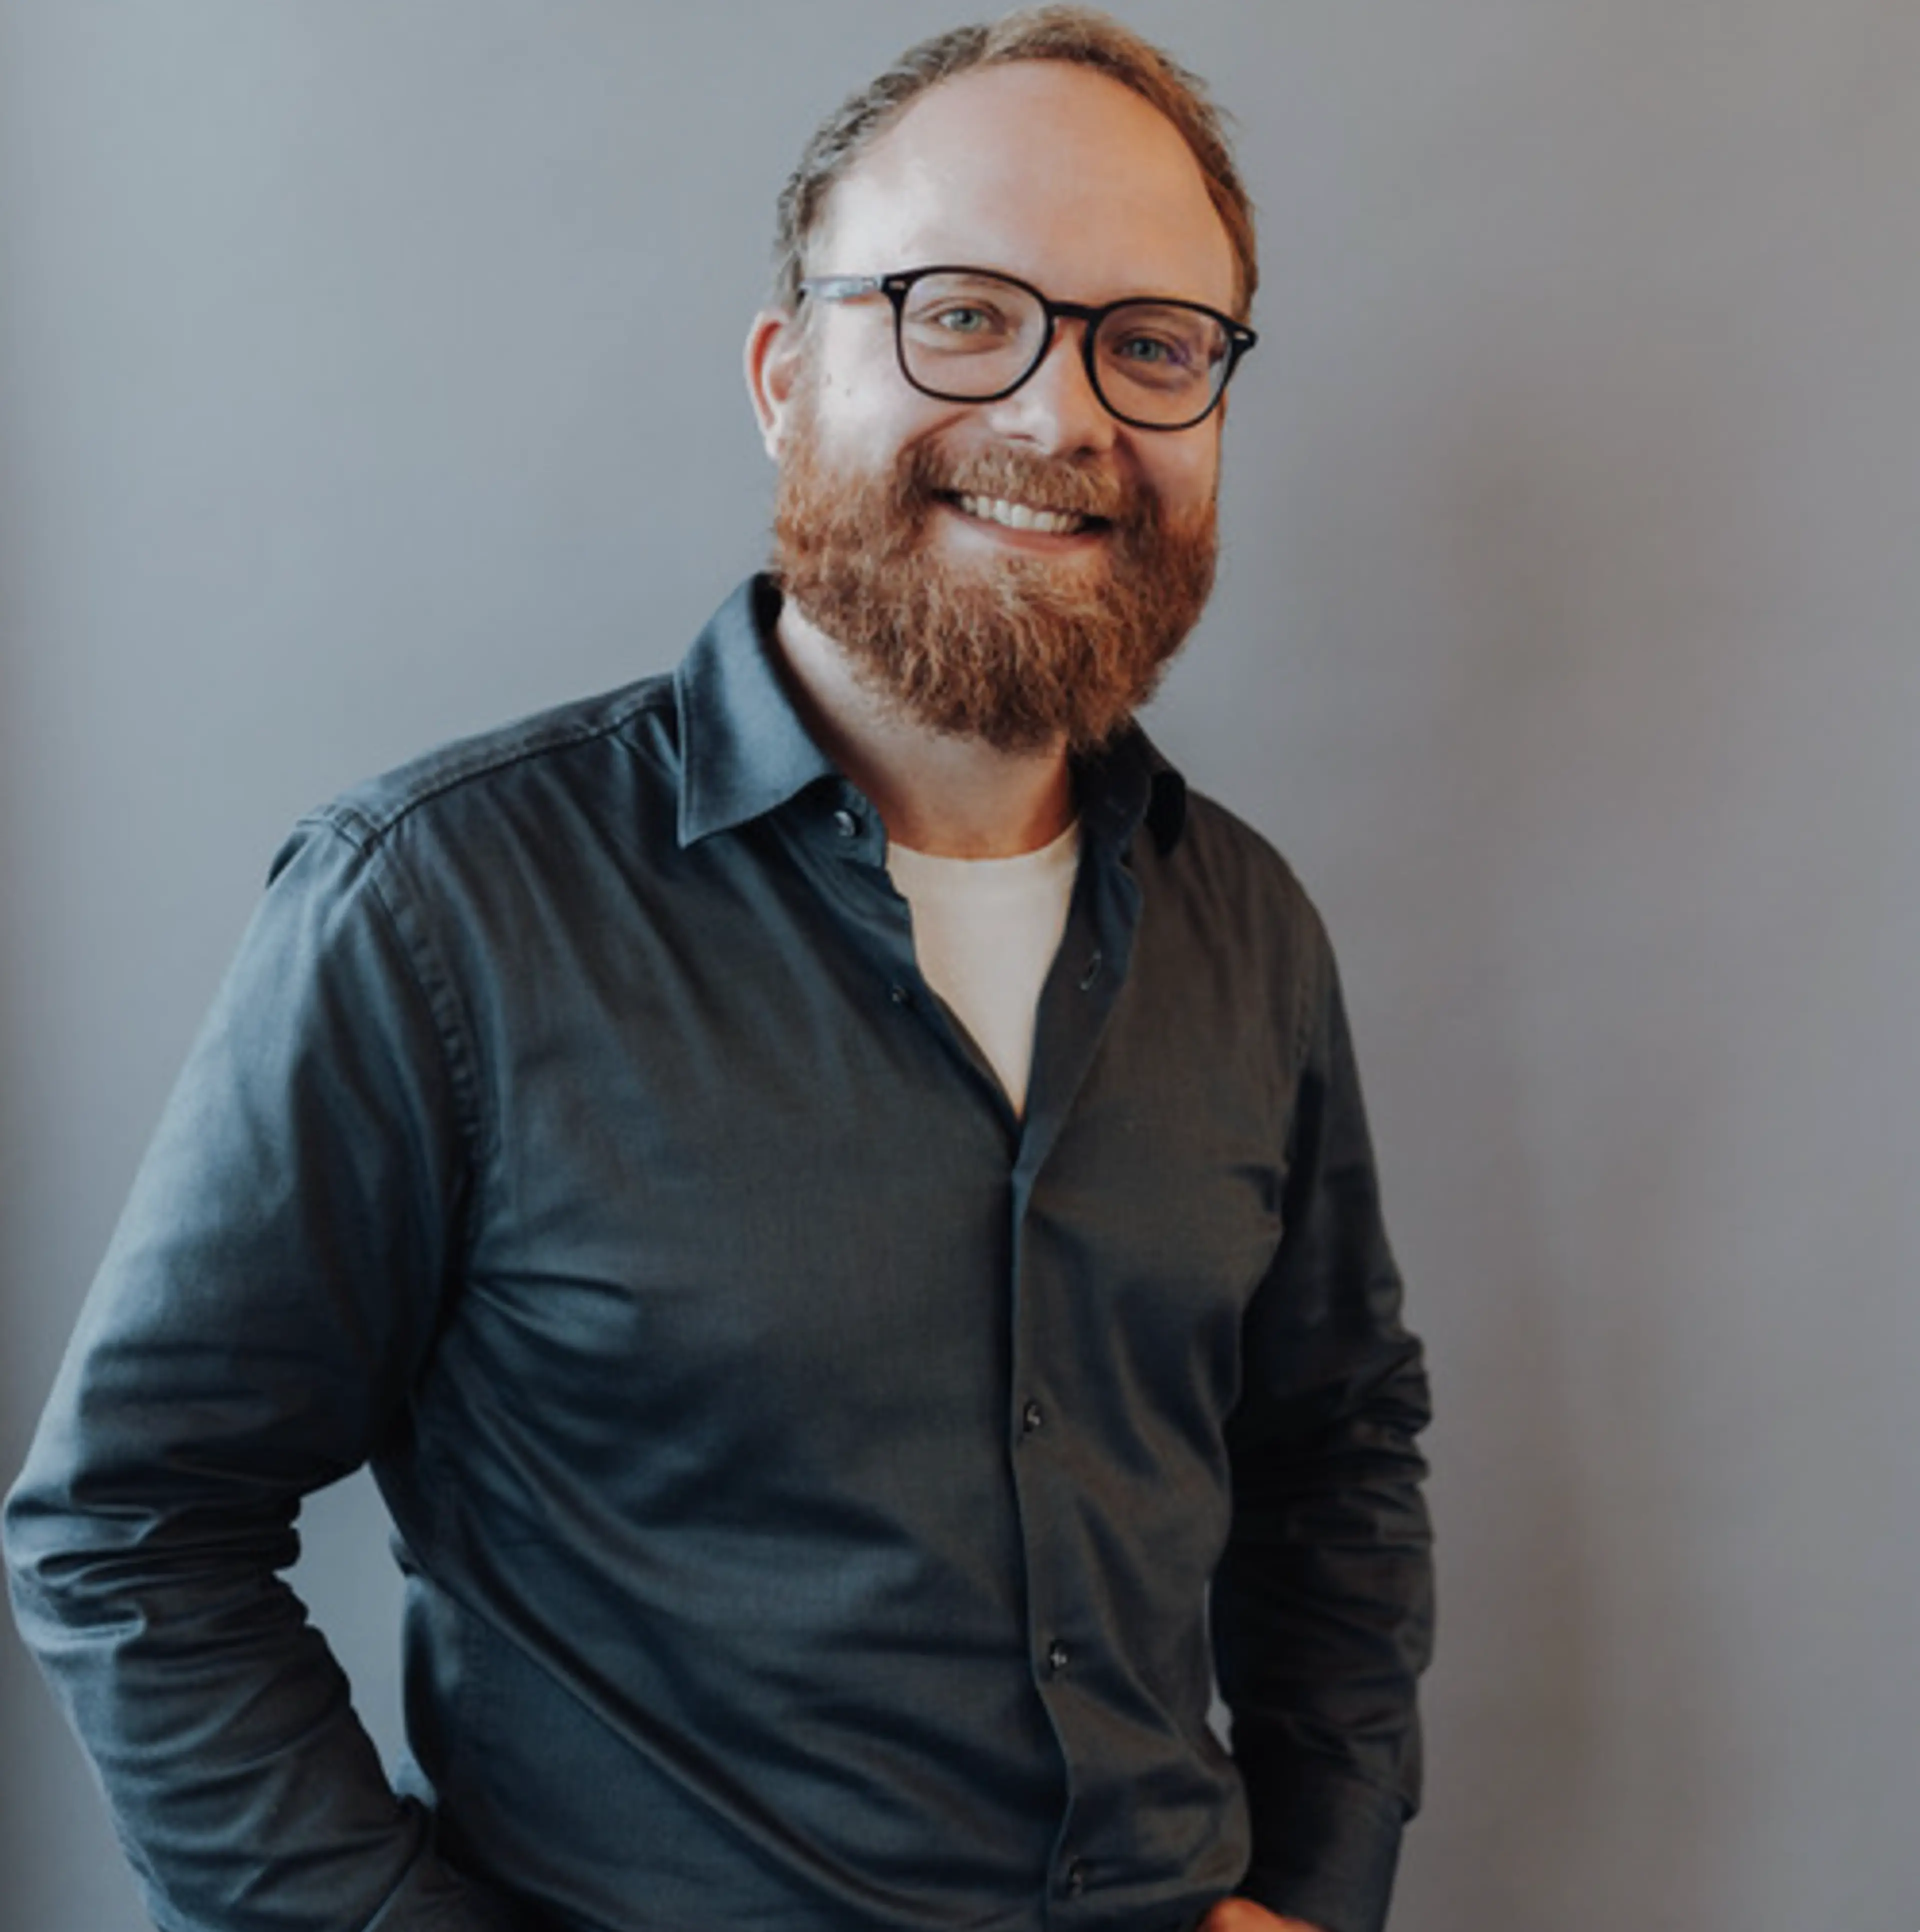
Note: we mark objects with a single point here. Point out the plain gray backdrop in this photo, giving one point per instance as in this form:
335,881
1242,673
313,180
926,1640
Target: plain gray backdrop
369,373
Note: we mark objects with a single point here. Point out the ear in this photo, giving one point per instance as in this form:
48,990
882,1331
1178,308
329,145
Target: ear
774,346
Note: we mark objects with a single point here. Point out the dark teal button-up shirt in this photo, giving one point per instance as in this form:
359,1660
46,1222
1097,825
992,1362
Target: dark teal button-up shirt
826,1498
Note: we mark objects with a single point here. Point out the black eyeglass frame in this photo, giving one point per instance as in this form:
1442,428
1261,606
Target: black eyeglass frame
896,288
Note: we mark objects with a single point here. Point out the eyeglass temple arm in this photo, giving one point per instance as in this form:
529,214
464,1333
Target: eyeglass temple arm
840,288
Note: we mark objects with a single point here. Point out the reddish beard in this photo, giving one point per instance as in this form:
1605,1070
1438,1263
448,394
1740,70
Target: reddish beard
1023,653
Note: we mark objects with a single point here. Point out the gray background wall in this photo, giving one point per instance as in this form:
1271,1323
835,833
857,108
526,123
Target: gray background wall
368,374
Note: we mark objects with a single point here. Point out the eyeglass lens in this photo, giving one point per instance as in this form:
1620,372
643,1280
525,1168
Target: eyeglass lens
970,336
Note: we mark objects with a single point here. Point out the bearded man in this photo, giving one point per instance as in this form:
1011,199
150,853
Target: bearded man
830,1191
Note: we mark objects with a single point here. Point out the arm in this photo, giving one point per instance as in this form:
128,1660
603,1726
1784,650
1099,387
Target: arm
1323,1605
270,1294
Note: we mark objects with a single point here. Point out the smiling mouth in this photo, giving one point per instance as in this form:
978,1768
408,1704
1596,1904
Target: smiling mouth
1014,516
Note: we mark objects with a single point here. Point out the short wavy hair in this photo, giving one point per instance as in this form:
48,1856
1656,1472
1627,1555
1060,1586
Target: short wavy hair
1080,35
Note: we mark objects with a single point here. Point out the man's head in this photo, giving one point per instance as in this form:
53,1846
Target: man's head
1013,564
1078,35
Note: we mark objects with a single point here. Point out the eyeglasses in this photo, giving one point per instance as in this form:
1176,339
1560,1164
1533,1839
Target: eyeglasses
966,335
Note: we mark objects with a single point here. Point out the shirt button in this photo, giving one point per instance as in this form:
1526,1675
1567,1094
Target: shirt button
1077,1875
901,996
1092,972
846,824
1032,1417
1058,1656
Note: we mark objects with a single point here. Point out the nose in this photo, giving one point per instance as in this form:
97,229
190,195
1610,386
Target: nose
1054,410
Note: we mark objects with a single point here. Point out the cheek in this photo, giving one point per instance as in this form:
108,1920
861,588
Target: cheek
865,416
1186,482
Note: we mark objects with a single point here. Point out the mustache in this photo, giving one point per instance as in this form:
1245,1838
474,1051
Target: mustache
1019,476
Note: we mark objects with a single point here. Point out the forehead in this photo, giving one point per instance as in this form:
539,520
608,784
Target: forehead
1050,172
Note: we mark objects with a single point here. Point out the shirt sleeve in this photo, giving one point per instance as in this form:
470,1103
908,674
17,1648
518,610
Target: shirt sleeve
270,1294
1323,1605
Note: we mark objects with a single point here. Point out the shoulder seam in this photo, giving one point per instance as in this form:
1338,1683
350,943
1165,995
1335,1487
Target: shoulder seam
364,830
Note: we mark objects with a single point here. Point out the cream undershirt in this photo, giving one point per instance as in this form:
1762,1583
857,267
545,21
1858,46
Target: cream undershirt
986,932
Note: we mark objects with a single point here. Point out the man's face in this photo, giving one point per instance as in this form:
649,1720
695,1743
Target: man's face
892,528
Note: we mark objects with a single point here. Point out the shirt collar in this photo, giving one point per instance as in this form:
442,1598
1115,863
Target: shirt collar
746,751
744,748
1126,782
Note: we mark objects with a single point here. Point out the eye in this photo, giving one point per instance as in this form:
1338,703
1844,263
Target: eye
961,318
1139,346
967,319
1159,347
1153,359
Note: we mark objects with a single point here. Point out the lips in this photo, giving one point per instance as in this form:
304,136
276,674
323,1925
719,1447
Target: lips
1030,495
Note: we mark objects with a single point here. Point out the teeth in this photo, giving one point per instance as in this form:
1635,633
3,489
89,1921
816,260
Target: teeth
1022,516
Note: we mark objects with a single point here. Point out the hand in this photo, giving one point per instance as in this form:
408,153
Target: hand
1242,1915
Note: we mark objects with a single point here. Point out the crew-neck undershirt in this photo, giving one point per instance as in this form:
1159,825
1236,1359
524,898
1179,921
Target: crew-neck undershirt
985,931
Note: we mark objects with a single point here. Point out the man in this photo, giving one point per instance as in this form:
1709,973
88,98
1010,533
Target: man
830,1191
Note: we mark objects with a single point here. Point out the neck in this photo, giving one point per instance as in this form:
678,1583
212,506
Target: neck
953,797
